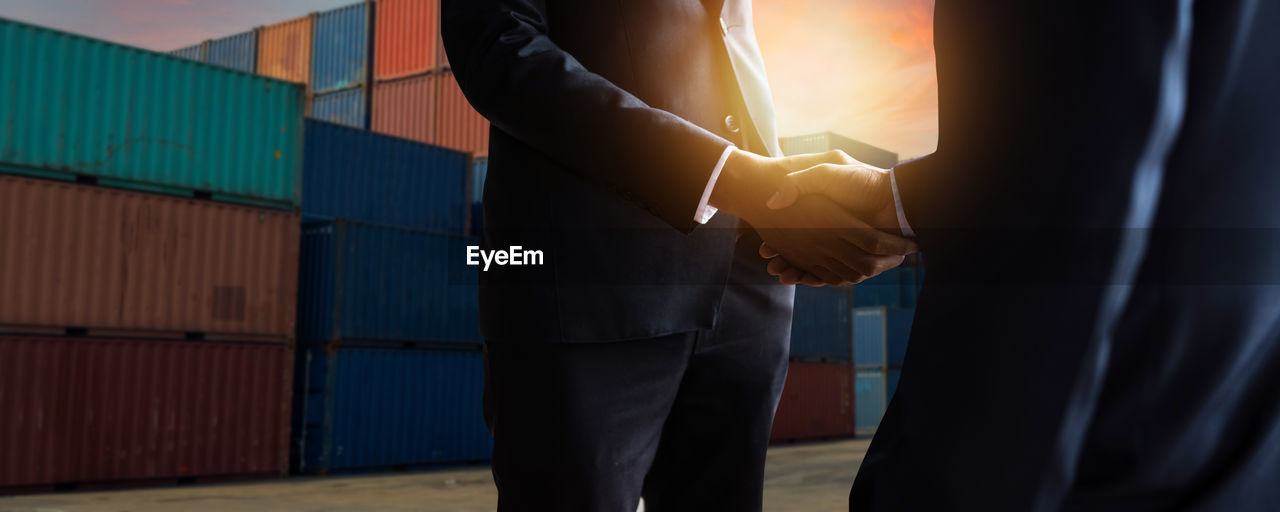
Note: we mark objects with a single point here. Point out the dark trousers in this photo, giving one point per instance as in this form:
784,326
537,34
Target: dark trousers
682,420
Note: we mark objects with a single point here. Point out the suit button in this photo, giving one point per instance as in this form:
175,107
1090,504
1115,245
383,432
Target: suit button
724,28
731,123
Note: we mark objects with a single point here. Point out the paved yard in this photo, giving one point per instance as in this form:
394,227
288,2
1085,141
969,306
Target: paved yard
806,477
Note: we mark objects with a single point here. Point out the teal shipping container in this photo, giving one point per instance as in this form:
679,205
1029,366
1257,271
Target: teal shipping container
238,52
340,48
880,335
82,108
869,399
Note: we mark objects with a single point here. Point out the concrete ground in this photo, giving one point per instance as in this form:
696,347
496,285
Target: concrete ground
812,477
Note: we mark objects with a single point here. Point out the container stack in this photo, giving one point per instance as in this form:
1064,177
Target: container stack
149,261
371,65
389,369
817,399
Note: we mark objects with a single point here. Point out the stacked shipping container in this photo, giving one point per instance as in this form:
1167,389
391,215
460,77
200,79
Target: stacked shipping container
147,336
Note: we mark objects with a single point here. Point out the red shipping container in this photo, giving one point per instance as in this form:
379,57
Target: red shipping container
460,127
117,262
406,108
406,38
817,403
91,410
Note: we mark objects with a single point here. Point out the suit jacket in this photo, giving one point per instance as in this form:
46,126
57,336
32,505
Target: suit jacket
1098,328
607,121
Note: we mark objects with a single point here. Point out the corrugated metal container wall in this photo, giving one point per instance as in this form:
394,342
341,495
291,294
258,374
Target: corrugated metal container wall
148,118
372,407
895,374
869,337
869,395
197,52
407,38
820,326
460,127
368,177
880,335
816,403
406,108
882,290
81,410
238,52
367,282
346,107
340,51
284,50
108,259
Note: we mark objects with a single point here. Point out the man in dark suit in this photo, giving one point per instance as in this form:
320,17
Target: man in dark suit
1099,325
646,355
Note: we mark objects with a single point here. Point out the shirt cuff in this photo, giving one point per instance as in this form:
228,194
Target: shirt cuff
706,211
897,204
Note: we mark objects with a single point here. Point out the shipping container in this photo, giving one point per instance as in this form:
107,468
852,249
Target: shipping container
880,335
884,289
109,260
367,282
407,38
78,410
369,177
459,126
406,108
196,52
340,50
821,327
284,50
238,52
369,407
869,395
348,107
827,141
147,120
817,403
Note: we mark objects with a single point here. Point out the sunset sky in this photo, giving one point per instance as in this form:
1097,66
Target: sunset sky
861,68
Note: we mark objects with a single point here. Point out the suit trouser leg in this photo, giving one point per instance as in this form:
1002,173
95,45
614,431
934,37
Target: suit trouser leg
576,426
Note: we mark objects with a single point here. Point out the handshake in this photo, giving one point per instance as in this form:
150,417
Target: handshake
826,219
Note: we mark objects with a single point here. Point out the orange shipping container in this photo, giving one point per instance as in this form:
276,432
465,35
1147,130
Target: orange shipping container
284,50
459,126
406,108
111,261
407,38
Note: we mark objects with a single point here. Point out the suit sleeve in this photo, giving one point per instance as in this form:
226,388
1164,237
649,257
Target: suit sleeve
531,89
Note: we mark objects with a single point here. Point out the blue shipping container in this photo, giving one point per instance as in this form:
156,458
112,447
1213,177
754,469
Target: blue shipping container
820,326
348,107
880,335
239,52
369,177
364,407
869,399
882,290
340,48
366,282
196,52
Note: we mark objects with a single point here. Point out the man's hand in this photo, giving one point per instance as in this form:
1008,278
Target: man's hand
831,245
858,187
